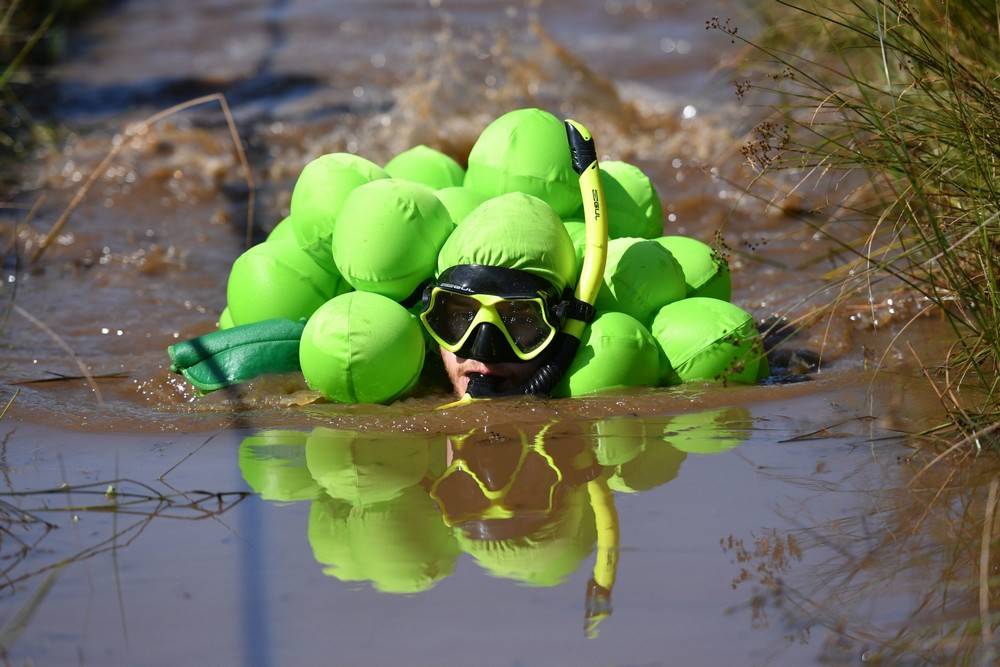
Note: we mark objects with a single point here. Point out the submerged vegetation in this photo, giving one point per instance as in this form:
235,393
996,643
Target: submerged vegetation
899,101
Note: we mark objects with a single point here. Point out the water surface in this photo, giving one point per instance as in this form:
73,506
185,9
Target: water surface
787,524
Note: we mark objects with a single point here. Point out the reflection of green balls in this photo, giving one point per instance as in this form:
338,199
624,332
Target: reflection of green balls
365,468
619,439
633,205
525,151
319,193
278,279
709,432
616,351
425,165
361,347
273,463
640,277
706,272
460,201
400,546
657,464
578,234
387,237
708,339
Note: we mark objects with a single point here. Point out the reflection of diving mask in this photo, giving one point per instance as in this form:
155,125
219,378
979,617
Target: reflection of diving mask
481,481
491,314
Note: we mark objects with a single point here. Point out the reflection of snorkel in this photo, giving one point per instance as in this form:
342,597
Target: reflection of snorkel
606,561
581,311
530,510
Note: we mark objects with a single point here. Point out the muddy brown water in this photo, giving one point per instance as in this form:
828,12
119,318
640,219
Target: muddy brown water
783,524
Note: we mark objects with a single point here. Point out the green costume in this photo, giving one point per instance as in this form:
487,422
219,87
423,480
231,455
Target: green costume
496,251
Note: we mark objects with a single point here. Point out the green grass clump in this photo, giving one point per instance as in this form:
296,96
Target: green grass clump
902,99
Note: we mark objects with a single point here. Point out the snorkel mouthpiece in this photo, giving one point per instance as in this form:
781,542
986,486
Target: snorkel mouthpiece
482,386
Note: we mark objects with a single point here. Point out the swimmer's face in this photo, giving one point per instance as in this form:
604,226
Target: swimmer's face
511,374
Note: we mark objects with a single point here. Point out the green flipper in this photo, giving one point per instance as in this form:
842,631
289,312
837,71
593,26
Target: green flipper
224,358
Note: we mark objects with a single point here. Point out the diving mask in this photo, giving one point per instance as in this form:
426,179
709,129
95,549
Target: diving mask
491,314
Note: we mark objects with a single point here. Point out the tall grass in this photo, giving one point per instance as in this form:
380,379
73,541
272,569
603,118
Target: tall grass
902,99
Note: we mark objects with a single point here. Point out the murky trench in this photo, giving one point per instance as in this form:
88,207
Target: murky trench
780,524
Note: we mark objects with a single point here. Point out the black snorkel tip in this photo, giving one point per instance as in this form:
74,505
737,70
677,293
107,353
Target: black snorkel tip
483,386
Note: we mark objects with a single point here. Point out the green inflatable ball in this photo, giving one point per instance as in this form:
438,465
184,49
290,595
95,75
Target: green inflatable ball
633,205
278,279
710,340
427,166
273,463
225,320
525,151
640,277
578,235
706,272
460,201
387,237
616,351
361,347
514,231
319,193
283,231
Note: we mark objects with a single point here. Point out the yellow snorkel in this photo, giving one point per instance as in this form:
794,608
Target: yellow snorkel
580,313
595,254
602,500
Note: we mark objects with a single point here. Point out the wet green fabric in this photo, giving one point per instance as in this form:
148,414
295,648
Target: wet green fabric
387,236
514,231
640,277
224,358
320,191
277,279
616,351
426,165
633,205
362,347
706,272
525,150
708,339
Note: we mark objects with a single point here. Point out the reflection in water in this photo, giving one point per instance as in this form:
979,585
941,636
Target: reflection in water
529,503
909,578
30,545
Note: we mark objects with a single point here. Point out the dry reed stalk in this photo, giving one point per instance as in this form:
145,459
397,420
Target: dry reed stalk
139,128
984,563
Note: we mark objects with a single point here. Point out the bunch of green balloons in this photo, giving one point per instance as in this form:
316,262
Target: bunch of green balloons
361,241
